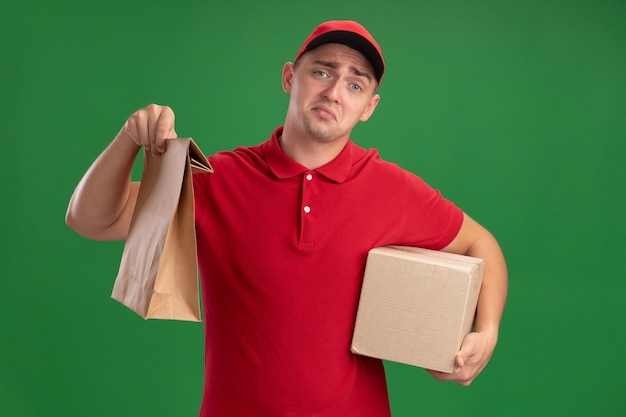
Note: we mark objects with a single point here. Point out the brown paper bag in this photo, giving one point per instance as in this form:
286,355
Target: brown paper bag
158,274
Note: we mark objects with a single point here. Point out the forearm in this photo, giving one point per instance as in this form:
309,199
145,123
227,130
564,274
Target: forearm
102,195
494,288
476,241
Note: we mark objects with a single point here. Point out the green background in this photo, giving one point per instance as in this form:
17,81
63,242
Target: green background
514,109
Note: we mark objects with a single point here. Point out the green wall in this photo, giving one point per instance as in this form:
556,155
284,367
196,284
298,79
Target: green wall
514,109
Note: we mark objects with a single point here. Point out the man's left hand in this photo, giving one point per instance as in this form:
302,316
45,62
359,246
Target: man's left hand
475,352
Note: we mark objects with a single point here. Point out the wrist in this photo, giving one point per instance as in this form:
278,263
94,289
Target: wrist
489,331
126,141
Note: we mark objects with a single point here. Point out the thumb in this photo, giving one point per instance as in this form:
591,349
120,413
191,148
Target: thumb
460,359
468,348
162,145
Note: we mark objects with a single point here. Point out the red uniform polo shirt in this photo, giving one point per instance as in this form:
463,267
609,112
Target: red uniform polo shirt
282,252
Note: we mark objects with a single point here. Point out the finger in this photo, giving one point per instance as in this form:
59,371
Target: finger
154,112
469,348
436,374
459,376
139,122
139,130
444,376
164,128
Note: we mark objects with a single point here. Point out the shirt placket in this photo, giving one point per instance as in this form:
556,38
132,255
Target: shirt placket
307,210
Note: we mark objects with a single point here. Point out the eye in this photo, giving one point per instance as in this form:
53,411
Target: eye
321,73
356,87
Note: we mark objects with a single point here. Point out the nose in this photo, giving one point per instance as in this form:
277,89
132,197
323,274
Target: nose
333,91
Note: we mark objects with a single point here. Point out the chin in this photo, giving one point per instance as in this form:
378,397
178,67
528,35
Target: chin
318,130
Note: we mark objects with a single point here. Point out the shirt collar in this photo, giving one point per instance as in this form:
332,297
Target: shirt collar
284,167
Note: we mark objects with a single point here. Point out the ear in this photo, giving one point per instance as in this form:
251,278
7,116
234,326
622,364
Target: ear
371,106
288,75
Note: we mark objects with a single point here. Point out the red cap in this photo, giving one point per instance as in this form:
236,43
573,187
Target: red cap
350,33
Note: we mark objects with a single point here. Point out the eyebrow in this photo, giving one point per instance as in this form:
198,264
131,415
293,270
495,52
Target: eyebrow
335,65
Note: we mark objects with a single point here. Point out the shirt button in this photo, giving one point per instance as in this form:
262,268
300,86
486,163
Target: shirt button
309,177
307,209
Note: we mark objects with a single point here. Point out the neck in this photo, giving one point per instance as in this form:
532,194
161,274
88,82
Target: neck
310,152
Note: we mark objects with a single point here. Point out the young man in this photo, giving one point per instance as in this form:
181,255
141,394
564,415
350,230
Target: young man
283,232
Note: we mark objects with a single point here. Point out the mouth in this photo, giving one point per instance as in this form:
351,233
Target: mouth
324,112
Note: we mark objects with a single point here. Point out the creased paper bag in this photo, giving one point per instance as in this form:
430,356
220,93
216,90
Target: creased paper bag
158,274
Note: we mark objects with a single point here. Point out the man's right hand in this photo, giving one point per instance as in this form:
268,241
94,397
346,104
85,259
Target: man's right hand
150,126
103,202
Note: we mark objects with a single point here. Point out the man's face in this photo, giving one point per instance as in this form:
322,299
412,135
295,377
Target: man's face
332,88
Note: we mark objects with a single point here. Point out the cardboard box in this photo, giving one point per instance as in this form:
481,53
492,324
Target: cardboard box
416,306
